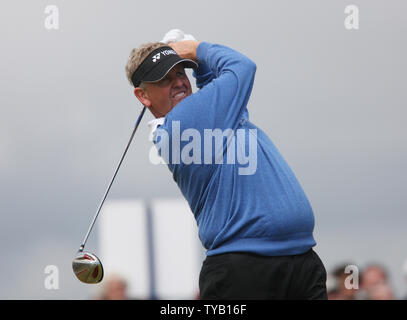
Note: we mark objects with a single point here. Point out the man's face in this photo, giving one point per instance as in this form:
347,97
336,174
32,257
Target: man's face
160,97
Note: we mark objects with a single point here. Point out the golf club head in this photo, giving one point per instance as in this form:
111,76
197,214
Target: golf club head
87,267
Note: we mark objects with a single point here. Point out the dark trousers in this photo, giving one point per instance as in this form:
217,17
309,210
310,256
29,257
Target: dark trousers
241,275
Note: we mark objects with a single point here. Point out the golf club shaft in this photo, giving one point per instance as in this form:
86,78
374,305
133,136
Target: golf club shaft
111,182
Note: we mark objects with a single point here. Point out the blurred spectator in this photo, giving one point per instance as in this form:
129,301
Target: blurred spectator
113,288
381,291
336,285
375,283
372,275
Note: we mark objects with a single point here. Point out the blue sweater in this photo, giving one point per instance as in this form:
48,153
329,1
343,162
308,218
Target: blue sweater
250,200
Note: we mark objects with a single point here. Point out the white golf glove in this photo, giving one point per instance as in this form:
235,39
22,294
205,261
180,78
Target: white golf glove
176,35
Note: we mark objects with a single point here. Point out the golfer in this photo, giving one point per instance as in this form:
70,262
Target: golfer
253,216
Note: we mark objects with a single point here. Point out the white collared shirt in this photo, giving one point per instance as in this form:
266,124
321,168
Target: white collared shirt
153,124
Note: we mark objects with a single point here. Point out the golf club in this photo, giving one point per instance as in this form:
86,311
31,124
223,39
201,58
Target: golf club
87,266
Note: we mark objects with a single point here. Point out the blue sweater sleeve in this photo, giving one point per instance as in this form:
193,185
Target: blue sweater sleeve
202,74
226,78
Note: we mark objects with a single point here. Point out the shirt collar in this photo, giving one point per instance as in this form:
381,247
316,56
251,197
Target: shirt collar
153,124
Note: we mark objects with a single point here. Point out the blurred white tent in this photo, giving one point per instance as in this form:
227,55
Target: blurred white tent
153,245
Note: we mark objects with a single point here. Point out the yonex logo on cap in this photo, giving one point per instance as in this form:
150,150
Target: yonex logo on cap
164,53
156,57
157,64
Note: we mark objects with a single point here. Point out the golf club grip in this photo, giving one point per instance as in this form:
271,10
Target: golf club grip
111,181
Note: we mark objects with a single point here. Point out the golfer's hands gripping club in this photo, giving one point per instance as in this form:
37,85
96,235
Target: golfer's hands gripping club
184,44
176,35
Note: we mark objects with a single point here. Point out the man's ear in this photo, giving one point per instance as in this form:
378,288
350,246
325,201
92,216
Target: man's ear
142,96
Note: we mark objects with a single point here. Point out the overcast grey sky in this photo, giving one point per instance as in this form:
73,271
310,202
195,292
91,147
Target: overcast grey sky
332,100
